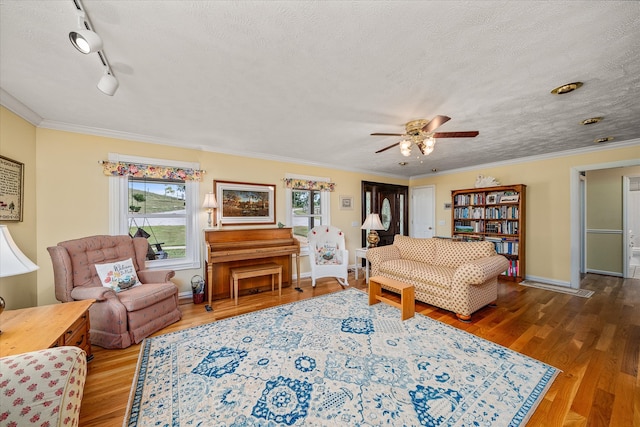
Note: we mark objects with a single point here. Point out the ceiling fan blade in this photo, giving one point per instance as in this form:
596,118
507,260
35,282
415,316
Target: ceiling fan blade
386,148
469,134
387,134
435,123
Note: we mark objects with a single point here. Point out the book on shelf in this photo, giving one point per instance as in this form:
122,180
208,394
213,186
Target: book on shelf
513,270
504,246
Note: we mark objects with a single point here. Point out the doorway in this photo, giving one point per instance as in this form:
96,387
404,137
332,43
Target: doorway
423,211
631,211
390,201
577,199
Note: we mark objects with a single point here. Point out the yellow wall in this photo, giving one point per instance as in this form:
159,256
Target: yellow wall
18,142
604,218
72,197
548,204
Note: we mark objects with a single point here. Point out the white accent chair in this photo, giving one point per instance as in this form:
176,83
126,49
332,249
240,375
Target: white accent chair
328,254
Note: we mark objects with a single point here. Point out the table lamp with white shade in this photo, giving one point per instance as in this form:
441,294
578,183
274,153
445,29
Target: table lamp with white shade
210,204
12,260
372,223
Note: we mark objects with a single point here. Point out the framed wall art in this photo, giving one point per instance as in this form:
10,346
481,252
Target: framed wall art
346,202
11,189
245,203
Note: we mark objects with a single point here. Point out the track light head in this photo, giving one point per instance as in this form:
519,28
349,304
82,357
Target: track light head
108,84
86,41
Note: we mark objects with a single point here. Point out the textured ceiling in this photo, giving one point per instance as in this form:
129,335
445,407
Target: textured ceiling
309,81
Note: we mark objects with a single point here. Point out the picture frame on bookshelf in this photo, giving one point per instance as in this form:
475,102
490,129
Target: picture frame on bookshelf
511,198
492,199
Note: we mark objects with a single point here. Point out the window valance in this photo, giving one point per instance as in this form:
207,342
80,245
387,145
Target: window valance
304,184
151,171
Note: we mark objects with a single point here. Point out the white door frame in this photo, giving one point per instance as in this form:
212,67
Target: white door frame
576,198
626,253
412,206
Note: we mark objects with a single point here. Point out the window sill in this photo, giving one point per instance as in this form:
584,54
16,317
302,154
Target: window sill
178,264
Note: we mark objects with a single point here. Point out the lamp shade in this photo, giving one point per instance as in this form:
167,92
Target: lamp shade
372,222
12,260
210,201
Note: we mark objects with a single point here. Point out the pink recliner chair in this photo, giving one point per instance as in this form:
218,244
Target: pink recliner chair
117,319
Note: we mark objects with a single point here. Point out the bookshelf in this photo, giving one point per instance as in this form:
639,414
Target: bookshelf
495,214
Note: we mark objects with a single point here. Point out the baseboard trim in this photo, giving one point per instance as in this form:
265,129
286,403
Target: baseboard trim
548,281
605,273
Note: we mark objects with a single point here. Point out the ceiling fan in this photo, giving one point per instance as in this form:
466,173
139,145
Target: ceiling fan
421,133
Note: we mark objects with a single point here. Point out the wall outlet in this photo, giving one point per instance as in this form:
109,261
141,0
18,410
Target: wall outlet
442,222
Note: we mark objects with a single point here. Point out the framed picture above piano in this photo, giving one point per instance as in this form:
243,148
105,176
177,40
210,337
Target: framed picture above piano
245,203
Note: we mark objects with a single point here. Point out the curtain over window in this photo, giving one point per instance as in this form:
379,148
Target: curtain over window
159,203
138,170
305,184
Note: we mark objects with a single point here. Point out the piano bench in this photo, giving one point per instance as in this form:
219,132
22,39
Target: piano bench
237,273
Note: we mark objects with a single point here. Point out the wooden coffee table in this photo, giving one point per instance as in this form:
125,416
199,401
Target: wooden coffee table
407,303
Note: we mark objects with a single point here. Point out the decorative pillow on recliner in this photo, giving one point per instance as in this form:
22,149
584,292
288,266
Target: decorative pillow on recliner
119,275
328,254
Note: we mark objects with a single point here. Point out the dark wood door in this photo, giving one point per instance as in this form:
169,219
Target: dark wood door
391,203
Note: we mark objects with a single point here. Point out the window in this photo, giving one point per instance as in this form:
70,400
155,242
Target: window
307,209
164,211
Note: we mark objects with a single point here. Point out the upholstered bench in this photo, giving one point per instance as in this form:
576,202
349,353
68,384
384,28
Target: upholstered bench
407,304
237,273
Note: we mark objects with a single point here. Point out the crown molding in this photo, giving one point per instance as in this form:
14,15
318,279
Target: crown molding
12,104
554,155
86,130
17,107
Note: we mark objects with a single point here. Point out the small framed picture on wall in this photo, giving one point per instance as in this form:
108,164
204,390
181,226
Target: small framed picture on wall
346,202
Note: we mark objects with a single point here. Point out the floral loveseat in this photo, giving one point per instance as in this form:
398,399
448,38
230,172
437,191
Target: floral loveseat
42,388
458,276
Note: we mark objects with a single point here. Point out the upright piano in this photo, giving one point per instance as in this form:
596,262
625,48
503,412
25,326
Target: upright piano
227,249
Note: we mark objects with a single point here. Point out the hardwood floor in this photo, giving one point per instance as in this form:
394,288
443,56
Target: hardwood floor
594,341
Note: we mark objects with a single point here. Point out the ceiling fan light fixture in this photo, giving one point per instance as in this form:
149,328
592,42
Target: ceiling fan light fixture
405,147
566,88
591,120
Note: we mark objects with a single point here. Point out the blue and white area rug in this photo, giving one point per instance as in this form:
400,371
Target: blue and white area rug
328,361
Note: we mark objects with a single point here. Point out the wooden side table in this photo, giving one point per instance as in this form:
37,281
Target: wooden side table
37,328
407,304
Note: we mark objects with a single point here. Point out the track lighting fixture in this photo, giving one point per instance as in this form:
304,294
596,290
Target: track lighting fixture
108,84
88,41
